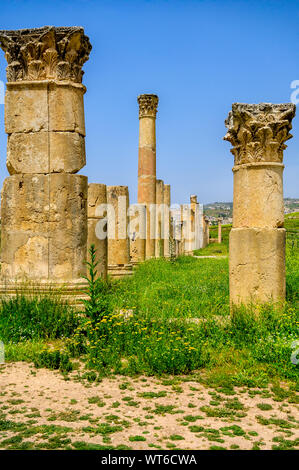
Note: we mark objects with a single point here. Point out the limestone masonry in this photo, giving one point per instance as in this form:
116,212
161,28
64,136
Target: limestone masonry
44,202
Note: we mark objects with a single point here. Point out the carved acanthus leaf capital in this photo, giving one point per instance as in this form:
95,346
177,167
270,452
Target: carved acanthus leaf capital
45,53
258,132
148,105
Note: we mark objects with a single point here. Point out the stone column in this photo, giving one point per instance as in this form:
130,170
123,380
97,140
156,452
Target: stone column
44,203
137,232
219,231
257,240
206,231
197,211
97,225
159,249
168,237
118,239
194,206
147,165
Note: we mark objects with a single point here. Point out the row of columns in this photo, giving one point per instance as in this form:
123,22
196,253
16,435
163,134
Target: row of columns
46,206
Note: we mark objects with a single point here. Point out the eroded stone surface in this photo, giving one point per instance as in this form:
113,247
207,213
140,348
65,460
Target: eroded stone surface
118,239
257,265
97,225
159,249
44,226
257,132
45,152
258,197
137,231
43,53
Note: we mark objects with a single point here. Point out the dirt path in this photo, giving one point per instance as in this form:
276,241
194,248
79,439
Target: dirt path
40,409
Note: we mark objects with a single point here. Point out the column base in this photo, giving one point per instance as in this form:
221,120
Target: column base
256,265
118,271
71,292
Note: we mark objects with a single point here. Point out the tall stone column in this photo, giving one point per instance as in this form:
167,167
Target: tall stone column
97,225
148,105
137,232
257,240
168,237
44,203
118,239
219,231
159,249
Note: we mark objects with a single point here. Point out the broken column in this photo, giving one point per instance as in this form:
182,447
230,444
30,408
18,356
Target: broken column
148,105
118,240
206,231
137,232
257,240
44,203
168,238
159,249
97,225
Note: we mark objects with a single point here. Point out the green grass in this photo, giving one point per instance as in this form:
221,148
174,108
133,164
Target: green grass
35,318
180,324
187,288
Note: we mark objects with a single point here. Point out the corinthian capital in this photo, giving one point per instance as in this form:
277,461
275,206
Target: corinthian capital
45,53
148,105
257,132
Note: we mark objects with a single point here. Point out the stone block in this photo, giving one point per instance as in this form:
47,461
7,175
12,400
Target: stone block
66,108
258,196
26,107
45,152
256,265
44,226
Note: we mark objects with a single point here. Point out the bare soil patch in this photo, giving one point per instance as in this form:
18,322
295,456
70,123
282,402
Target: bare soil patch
39,408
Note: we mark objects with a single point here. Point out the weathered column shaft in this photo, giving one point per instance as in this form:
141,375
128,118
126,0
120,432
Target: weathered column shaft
168,238
196,222
97,225
159,249
219,231
137,217
257,239
118,239
44,236
206,231
147,165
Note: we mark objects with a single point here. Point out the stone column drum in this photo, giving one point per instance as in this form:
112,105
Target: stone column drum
97,225
44,203
118,239
257,240
148,105
168,238
159,249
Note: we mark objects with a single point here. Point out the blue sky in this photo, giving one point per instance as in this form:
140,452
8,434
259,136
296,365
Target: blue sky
198,56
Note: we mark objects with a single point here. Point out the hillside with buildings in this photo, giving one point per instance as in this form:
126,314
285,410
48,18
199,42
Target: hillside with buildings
224,210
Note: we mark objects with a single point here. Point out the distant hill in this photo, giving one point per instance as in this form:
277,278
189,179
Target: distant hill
224,210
